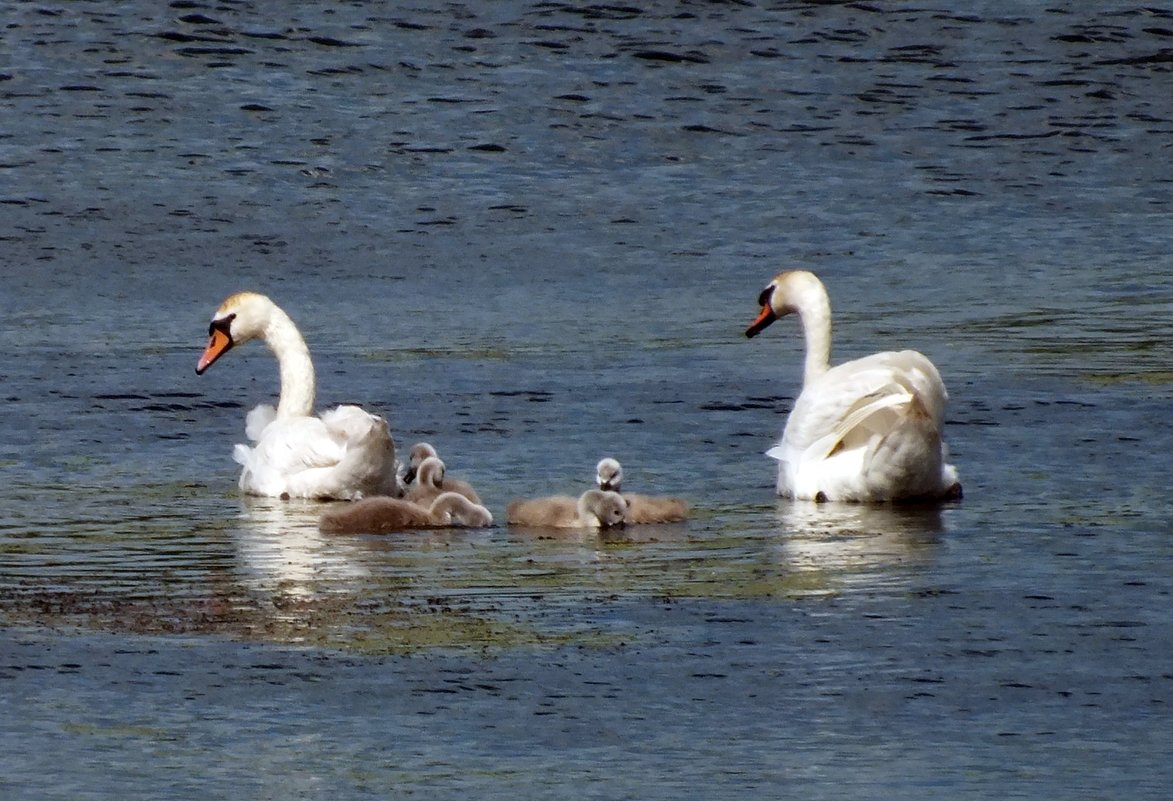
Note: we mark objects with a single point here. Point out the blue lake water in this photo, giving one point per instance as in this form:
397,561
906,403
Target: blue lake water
533,234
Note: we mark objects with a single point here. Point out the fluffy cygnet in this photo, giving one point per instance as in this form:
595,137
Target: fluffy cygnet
379,515
434,482
593,509
417,454
428,483
640,508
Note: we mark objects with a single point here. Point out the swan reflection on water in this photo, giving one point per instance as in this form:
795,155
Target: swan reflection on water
281,551
838,536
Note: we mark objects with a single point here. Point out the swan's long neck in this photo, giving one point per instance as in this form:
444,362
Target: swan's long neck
814,309
297,371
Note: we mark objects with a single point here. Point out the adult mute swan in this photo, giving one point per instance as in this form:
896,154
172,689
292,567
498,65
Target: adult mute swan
381,515
864,430
593,509
640,508
345,454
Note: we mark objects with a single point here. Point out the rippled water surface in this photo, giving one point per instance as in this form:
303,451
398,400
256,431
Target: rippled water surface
532,234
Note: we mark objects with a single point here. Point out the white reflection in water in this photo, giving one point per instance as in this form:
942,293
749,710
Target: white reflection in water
845,536
282,552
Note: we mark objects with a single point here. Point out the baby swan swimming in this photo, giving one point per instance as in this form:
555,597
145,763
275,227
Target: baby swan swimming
430,482
380,515
593,509
640,508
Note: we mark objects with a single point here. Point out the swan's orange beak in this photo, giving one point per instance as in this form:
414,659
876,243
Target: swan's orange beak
764,318
218,344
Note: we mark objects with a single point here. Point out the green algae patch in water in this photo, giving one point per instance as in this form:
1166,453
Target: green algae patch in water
1153,377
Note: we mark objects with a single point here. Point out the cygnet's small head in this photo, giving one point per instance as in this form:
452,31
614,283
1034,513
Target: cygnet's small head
476,516
782,296
609,474
612,510
416,456
607,507
241,317
452,507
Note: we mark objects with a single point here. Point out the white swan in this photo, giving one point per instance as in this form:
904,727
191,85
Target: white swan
345,454
380,515
593,509
864,430
427,483
640,508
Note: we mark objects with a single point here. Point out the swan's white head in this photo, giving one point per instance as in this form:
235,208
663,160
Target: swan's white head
788,293
241,317
607,507
416,456
609,474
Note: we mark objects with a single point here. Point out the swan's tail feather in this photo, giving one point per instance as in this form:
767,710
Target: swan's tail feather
242,455
257,420
351,424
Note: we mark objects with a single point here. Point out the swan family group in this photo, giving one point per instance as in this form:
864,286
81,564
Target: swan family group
867,430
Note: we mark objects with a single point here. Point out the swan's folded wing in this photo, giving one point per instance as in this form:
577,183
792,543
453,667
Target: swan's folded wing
299,443
863,410
918,375
843,399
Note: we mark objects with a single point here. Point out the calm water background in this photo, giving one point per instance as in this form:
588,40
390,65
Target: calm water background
532,233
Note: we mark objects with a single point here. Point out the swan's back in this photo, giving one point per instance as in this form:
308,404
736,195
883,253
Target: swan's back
346,453
868,430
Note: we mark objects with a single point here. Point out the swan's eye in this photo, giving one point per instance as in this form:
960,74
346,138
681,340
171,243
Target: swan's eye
767,293
223,325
